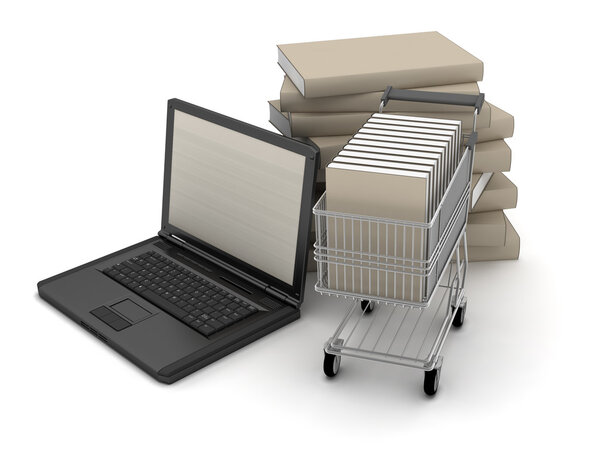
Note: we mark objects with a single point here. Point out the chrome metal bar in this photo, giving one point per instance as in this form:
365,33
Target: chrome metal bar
430,327
373,320
393,311
346,319
398,330
412,332
384,357
357,303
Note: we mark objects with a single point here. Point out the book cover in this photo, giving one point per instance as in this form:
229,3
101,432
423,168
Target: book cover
510,250
332,124
492,156
350,66
293,101
500,193
500,126
357,154
486,229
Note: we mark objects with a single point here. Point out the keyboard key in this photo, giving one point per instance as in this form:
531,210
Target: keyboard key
225,320
206,330
215,324
197,323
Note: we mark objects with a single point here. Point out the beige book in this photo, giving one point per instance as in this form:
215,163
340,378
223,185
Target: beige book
500,193
357,189
403,149
492,156
356,154
486,229
332,124
375,137
424,125
500,126
349,66
510,250
371,190
292,100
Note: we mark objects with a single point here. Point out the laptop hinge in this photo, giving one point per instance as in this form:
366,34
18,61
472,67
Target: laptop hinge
183,244
271,291
277,294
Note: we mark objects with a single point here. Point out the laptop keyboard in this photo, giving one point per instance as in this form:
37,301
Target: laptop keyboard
189,297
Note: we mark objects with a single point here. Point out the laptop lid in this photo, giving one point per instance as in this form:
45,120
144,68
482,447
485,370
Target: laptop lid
239,195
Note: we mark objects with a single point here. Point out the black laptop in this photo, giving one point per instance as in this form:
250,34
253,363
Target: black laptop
229,263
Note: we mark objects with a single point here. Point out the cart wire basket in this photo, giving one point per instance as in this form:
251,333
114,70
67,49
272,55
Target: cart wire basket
412,273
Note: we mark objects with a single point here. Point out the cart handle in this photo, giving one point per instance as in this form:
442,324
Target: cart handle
476,101
472,140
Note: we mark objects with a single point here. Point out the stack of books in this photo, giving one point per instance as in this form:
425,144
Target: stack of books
332,89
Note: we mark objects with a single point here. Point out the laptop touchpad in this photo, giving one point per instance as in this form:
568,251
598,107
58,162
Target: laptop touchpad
131,310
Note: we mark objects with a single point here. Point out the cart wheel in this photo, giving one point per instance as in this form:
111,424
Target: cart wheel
366,306
331,364
432,381
459,318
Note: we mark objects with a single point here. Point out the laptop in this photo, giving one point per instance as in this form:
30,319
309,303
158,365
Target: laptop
228,265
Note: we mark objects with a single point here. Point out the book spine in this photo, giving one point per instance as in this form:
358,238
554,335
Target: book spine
292,101
331,124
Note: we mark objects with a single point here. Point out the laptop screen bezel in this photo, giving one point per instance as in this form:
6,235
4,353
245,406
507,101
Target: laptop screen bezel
294,291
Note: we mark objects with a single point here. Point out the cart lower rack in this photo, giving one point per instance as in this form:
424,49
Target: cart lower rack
405,279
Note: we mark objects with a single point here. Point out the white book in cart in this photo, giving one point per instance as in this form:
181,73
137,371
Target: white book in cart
389,135
425,132
409,156
357,189
427,123
362,153
384,143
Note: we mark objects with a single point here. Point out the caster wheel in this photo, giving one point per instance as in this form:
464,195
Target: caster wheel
432,381
459,318
331,364
366,306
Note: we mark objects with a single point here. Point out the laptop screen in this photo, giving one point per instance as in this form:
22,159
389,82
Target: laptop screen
237,193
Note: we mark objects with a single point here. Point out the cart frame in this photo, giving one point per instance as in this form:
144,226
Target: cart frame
409,332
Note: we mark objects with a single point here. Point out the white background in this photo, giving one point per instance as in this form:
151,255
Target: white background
83,93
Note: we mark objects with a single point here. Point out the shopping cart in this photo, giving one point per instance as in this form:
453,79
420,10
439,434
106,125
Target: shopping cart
404,331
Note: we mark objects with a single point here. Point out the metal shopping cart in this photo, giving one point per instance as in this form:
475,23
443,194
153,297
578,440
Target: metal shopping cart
406,331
